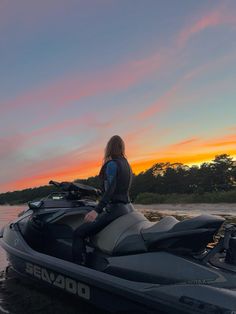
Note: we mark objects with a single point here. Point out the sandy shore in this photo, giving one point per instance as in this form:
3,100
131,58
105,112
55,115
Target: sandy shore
228,209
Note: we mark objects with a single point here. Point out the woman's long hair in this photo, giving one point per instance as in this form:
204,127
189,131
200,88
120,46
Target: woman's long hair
115,148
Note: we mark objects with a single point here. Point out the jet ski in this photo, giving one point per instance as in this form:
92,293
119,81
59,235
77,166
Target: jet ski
133,265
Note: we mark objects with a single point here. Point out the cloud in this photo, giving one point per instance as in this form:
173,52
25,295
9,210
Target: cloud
217,17
161,104
189,151
199,145
172,95
86,160
83,169
9,145
72,89
224,142
187,142
191,159
67,165
69,90
66,91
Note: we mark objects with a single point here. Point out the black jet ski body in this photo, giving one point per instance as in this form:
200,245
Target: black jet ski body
133,264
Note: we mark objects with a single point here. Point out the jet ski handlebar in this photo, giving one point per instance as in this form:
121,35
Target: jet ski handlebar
51,182
76,187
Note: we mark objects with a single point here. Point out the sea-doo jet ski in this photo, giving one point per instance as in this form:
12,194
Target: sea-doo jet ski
133,264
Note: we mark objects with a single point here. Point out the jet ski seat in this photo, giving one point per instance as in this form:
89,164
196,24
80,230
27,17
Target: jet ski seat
189,235
125,228
124,235
134,233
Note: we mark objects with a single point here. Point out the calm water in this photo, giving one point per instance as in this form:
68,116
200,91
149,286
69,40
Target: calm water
7,213
37,300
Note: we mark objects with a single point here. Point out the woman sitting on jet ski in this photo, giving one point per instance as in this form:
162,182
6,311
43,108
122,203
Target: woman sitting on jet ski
116,176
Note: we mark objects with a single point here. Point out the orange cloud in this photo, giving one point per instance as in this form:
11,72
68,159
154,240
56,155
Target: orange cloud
196,146
83,163
227,140
182,158
190,151
82,170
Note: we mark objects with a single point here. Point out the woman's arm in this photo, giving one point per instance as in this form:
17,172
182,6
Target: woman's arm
110,185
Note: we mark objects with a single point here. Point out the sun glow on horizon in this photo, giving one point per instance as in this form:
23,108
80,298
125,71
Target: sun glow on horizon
93,170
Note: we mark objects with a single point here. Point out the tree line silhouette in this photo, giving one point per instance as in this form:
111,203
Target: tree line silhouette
166,178
160,182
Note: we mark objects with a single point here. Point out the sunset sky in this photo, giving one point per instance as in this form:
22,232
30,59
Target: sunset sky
160,73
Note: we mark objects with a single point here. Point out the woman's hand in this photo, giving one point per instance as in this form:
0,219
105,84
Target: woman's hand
90,216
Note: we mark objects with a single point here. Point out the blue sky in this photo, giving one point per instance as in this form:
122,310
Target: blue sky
160,73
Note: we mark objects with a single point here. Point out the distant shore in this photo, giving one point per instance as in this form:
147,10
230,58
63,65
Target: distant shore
191,209
168,205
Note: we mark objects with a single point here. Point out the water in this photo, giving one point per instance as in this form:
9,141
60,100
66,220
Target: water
18,296
7,213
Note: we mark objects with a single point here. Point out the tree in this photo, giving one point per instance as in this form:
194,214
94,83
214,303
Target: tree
222,167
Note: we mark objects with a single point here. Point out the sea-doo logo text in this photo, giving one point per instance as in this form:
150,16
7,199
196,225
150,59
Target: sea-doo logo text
60,281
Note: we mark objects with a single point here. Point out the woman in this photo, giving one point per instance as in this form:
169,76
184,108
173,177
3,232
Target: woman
116,176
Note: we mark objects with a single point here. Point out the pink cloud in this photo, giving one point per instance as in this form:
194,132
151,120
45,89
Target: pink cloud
197,145
11,145
171,96
72,164
8,145
68,90
65,91
84,120
161,104
217,17
187,141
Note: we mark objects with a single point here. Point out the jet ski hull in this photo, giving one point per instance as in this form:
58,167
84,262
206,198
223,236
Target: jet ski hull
102,290
111,292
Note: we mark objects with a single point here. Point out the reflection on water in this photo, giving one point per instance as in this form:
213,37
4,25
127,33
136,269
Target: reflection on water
18,295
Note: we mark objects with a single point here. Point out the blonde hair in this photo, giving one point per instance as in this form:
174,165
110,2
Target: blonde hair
114,148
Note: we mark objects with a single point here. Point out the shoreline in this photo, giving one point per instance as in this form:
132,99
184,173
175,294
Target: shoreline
155,204
191,209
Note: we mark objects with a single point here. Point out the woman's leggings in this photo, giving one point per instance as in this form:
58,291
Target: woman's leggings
91,228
